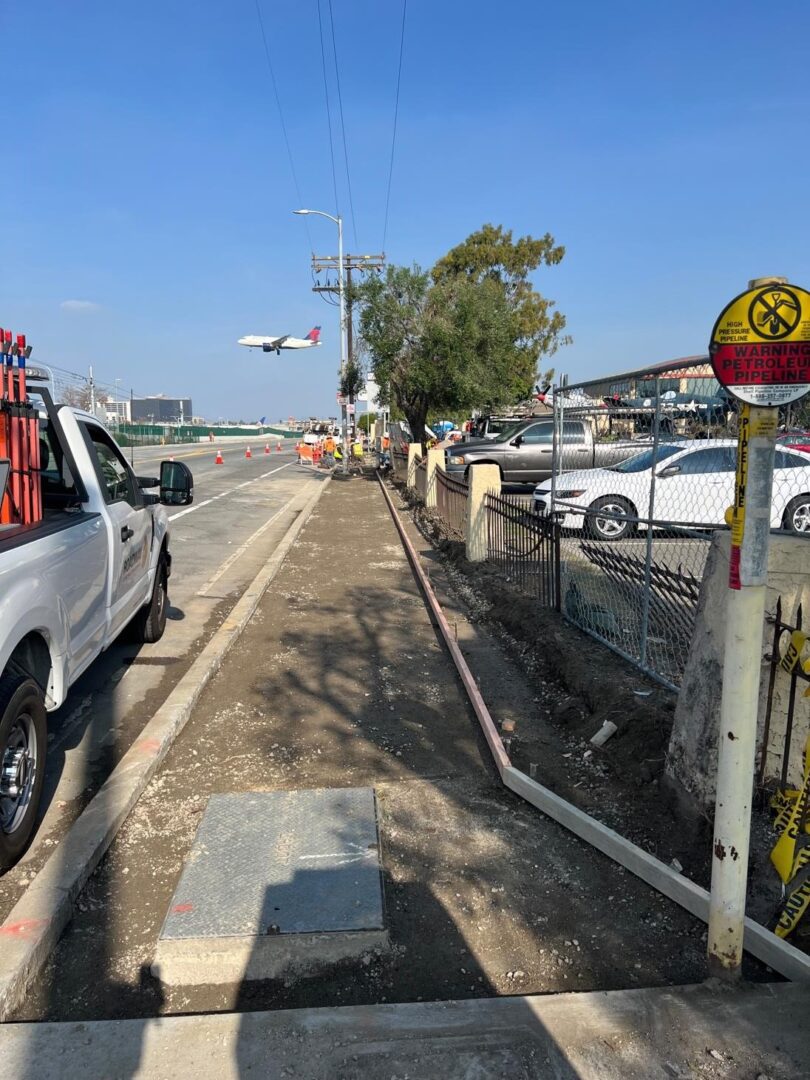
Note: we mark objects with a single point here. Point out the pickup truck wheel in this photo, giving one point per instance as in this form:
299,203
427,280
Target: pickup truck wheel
600,526
797,515
150,622
23,742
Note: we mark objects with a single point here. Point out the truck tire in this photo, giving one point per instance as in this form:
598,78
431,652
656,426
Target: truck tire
608,528
150,622
23,743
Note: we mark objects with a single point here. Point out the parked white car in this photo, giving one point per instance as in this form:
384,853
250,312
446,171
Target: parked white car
694,485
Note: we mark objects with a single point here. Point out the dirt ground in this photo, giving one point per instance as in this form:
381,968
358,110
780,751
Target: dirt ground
578,685
340,680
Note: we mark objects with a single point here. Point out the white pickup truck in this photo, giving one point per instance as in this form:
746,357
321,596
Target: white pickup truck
97,562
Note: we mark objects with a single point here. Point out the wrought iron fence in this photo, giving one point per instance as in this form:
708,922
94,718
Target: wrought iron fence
643,470
525,548
421,478
787,663
399,464
451,503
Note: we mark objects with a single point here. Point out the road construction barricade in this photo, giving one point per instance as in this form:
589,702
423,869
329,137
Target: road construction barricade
304,454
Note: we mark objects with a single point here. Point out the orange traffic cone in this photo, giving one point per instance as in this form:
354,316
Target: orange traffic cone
248,453
267,448
218,459
278,447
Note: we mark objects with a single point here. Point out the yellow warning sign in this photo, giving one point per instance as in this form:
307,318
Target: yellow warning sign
760,345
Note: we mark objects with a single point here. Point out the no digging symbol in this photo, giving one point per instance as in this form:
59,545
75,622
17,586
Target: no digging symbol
760,346
774,313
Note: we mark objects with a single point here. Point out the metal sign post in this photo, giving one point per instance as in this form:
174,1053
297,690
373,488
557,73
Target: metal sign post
760,352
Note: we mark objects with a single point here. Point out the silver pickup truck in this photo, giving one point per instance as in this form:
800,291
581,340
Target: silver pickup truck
523,453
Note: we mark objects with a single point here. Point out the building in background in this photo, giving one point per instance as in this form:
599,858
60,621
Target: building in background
158,409
118,412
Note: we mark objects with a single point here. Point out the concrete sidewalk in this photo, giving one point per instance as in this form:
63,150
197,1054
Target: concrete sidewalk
339,681
754,1033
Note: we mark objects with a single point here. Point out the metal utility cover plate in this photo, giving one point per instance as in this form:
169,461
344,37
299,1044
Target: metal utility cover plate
281,862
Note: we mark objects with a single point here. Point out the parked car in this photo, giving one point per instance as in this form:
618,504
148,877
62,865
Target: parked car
97,562
797,440
523,452
694,485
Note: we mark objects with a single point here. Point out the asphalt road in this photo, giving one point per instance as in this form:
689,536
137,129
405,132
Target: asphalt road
241,510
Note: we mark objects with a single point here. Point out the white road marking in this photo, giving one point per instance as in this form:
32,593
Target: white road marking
230,491
243,548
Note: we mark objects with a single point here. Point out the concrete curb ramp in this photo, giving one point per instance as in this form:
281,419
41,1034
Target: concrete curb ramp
34,925
622,1035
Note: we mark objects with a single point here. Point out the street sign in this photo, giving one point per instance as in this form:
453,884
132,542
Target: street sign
760,345
342,399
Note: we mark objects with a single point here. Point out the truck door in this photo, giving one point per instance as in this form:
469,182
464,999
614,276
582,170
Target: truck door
130,528
576,449
531,461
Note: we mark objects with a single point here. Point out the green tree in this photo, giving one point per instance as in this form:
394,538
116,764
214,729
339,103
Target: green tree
490,254
465,335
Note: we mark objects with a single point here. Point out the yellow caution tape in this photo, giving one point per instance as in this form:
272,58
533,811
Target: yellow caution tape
797,900
791,852
798,639
783,855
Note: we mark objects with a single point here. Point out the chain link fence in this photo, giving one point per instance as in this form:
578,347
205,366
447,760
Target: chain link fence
660,453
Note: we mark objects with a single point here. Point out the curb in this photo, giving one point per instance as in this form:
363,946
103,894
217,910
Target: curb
34,925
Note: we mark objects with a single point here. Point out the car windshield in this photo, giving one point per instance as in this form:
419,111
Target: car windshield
642,462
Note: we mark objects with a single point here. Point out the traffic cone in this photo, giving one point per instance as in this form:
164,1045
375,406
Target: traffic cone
248,453
267,448
218,459
278,448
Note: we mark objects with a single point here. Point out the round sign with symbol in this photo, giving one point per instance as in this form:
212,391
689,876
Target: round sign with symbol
760,345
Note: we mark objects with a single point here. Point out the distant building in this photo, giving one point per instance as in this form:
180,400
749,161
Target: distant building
161,410
117,412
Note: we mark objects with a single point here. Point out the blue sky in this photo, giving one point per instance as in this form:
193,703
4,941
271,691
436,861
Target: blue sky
666,146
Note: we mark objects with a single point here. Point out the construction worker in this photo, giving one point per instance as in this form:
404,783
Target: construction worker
329,451
338,453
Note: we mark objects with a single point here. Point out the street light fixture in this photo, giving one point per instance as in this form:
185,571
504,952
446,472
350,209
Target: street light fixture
339,222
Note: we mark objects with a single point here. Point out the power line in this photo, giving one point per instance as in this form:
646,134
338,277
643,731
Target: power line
396,116
342,125
281,114
328,112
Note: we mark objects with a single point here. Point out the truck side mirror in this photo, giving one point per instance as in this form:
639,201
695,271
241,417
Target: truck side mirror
518,439
176,484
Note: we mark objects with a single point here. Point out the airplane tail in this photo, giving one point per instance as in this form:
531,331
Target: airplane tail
314,334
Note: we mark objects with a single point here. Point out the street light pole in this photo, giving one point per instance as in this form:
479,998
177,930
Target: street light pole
342,293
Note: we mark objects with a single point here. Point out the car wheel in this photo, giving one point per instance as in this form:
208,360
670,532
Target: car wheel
797,515
23,742
601,518
150,622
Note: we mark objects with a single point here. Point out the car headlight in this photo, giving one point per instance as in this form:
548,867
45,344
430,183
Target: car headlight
456,459
569,494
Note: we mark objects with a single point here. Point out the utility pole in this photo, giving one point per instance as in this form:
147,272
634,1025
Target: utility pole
348,263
